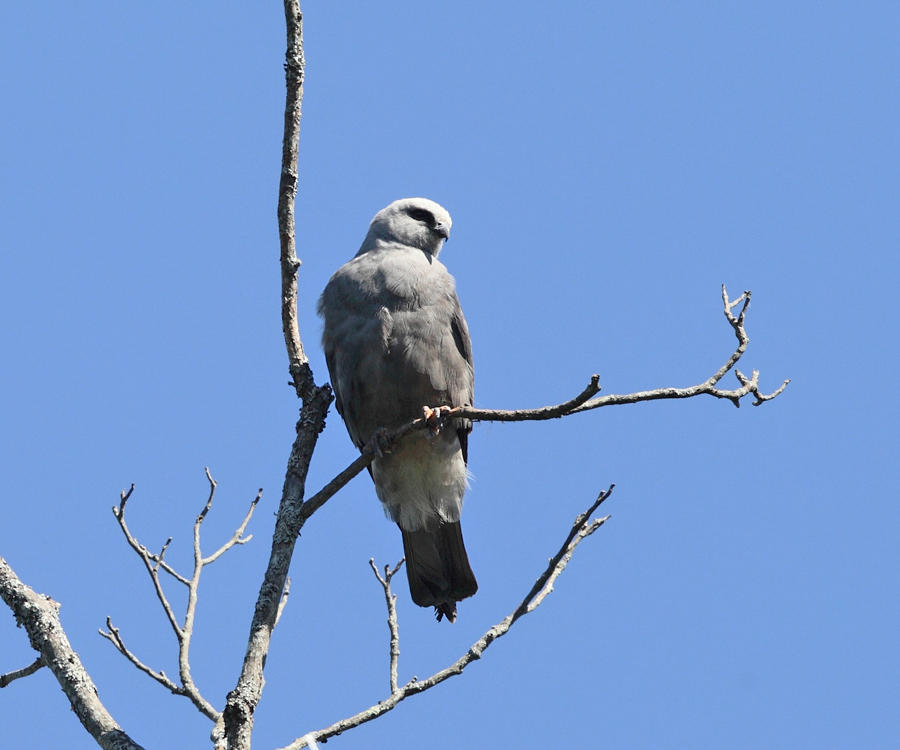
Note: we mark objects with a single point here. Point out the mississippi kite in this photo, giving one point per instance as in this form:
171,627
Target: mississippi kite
395,340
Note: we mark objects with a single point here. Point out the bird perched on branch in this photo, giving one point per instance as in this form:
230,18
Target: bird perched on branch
396,341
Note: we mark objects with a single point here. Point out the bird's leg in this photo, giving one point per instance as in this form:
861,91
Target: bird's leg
434,417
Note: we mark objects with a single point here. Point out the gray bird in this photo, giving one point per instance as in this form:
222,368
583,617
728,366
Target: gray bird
395,341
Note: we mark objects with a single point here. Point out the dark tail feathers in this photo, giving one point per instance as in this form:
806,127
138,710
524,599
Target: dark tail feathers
437,568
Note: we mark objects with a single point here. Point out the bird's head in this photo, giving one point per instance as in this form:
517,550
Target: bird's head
415,222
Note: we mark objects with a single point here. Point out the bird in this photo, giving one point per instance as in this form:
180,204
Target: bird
396,342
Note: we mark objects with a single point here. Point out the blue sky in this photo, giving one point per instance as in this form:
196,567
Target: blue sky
607,167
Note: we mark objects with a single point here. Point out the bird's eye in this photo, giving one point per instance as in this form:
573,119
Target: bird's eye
420,214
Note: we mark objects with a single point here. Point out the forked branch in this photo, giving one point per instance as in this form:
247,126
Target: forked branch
390,600
710,386
582,528
184,630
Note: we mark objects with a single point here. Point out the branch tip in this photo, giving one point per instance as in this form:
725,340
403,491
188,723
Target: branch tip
124,495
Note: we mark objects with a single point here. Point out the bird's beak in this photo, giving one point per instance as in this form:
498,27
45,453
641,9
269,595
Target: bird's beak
442,230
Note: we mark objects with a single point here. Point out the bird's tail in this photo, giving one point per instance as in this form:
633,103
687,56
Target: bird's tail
437,568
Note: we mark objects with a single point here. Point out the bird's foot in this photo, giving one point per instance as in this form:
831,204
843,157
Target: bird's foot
447,609
382,442
434,417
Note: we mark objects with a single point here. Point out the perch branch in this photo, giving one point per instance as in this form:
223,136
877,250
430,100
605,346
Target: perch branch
39,615
9,677
584,401
582,528
184,631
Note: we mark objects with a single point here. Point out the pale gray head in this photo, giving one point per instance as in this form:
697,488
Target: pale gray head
415,222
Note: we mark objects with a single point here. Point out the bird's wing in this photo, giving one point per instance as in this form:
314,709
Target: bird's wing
463,393
352,339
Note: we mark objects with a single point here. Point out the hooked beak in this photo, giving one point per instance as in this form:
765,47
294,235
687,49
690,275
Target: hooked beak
442,230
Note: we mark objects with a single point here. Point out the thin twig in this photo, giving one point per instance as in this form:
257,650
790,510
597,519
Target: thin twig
238,536
708,386
146,558
184,631
390,600
582,528
113,635
163,565
9,677
187,631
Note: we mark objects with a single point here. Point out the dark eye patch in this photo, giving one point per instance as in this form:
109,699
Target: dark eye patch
421,214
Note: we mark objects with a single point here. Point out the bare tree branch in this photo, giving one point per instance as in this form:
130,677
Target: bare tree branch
187,631
294,70
9,677
236,727
525,415
39,615
150,563
582,402
112,634
582,528
238,536
390,600
748,385
184,632
160,563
